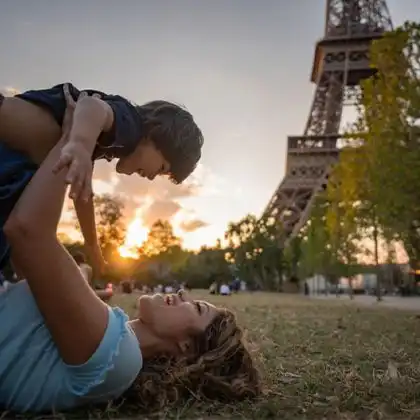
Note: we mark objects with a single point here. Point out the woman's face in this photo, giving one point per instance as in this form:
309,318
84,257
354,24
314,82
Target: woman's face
176,318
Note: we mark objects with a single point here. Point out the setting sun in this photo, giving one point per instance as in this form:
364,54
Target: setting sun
136,235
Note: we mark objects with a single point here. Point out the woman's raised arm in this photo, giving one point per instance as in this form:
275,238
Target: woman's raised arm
75,316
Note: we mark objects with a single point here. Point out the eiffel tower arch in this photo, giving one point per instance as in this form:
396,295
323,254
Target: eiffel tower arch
341,62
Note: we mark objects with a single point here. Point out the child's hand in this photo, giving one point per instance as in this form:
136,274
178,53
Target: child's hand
75,156
79,175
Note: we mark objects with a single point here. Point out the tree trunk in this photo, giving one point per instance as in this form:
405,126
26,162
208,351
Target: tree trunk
376,253
351,292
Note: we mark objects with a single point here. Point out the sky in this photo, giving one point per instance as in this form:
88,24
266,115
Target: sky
241,67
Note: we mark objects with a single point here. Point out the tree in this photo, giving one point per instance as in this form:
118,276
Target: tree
255,251
160,240
163,250
376,182
391,107
206,266
315,245
109,223
344,241
292,255
110,226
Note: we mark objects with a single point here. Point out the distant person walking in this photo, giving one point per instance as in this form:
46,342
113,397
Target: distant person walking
306,288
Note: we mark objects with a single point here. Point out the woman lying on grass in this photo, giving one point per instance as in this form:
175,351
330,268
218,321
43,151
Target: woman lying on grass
62,347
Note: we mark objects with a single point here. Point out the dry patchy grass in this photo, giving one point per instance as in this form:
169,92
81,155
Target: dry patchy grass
320,359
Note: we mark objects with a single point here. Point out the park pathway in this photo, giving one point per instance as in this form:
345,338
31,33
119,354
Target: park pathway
396,302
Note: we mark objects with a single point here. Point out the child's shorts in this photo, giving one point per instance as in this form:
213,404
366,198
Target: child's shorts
16,170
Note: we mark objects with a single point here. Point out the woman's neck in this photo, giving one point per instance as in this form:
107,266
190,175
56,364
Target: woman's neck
149,344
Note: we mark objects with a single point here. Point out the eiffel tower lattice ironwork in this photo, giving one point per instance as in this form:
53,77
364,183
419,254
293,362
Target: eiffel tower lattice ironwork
341,61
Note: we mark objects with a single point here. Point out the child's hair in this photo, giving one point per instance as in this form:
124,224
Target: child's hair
175,134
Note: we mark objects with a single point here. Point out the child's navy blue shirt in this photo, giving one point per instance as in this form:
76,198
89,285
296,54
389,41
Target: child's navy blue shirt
125,133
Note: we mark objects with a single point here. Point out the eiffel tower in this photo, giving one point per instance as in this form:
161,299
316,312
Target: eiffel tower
341,61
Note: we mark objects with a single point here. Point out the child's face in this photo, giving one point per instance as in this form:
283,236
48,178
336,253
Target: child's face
146,161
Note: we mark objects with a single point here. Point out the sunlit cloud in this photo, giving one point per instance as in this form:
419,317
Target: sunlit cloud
102,187
146,201
206,181
160,210
193,225
9,91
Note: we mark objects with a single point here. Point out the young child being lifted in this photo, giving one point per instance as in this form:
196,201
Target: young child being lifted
158,138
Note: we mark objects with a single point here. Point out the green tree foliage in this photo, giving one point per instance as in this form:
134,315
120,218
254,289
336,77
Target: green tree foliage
293,255
111,230
317,254
163,250
377,180
326,245
160,240
205,267
109,224
254,249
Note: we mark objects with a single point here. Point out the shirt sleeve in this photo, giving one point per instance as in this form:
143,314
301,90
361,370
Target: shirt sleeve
52,99
125,133
113,367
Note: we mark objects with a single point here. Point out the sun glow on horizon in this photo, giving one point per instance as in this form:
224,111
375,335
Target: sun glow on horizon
135,237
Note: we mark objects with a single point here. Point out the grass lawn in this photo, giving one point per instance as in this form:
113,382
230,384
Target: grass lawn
320,359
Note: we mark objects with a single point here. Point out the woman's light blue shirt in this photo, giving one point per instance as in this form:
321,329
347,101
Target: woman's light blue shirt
33,376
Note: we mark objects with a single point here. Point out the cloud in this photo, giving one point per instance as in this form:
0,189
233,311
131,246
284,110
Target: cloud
158,199
105,171
206,182
192,225
163,209
161,187
9,91
153,200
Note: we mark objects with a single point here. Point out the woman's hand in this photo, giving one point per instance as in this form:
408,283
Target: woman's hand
75,155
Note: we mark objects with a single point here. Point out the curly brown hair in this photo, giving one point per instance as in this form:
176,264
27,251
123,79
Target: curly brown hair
175,134
219,367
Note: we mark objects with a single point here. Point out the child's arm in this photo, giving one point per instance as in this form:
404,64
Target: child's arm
86,215
84,208
91,118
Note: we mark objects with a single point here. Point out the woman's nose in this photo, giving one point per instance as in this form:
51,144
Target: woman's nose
183,296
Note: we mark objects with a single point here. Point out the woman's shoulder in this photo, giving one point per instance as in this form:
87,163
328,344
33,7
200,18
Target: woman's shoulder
113,367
